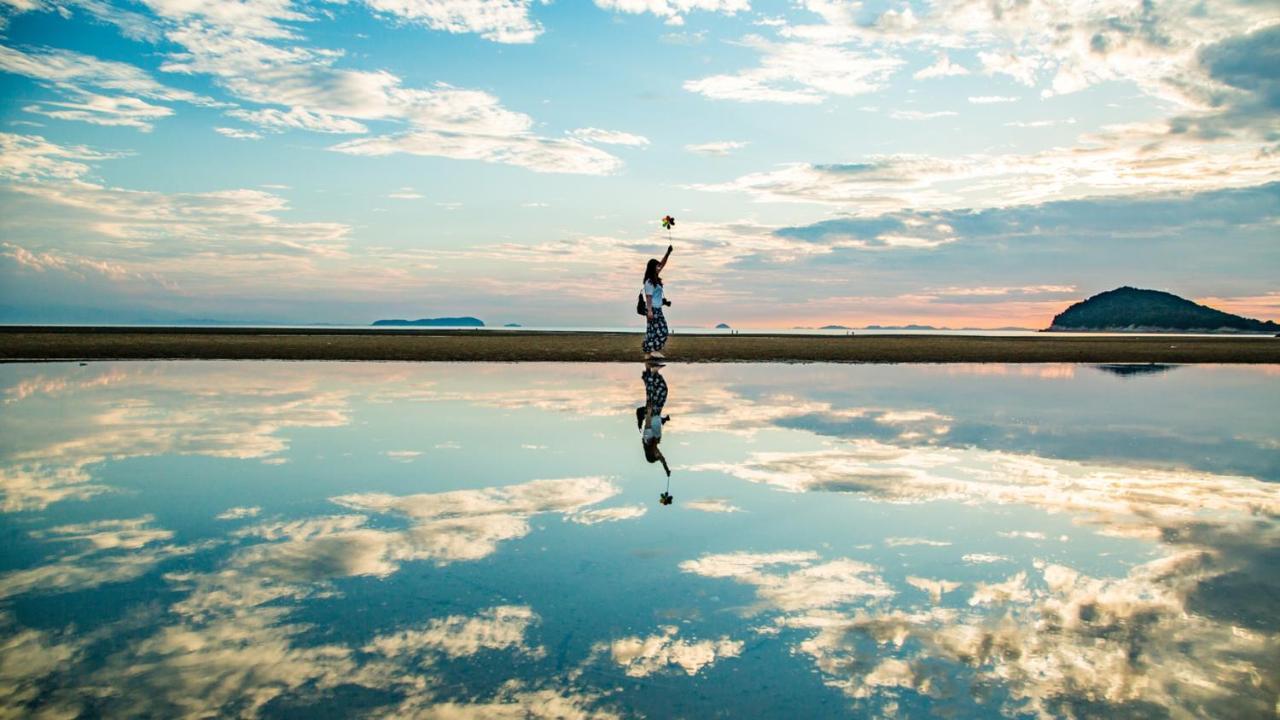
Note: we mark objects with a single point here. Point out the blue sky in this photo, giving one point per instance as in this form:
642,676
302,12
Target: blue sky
956,163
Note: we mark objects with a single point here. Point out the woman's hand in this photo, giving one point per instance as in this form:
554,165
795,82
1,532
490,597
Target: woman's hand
650,313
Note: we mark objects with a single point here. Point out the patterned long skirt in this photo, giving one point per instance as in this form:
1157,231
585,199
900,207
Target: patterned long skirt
655,390
655,332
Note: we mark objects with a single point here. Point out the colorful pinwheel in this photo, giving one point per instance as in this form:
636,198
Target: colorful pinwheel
668,222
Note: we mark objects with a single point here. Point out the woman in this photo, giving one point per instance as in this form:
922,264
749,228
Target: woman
655,331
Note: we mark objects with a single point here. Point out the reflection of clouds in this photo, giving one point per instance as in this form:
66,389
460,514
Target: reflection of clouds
497,628
212,409
712,505
1135,502
27,657
643,656
1191,634
807,585
935,588
238,513
129,534
612,514
910,541
983,558
117,551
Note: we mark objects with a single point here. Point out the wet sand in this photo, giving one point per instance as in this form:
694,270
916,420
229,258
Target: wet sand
64,343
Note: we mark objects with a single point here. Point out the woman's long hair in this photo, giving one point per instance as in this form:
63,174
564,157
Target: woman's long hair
651,272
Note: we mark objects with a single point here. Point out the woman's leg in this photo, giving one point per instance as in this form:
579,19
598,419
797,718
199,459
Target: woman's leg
650,336
660,331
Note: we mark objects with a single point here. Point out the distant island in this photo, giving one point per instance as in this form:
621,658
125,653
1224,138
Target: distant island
904,327
835,327
723,326
1129,309
432,322
510,325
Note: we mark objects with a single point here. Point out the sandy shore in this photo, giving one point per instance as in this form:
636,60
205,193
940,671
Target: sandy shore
60,343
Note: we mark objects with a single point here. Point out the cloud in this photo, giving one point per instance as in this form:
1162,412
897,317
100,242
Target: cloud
645,656
716,149
297,118
673,11
798,73
1120,161
72,74
238,513
237,133
502,21
942,67
920,115
608,137
991,99
472,125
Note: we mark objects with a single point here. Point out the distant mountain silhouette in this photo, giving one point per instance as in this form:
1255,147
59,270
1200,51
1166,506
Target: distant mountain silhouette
723,326
1133,309
904,327
511,325
432,322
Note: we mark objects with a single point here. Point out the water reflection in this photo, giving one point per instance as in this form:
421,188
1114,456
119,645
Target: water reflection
650,420
462,541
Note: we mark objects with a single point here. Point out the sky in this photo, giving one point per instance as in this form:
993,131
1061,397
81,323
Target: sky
957,163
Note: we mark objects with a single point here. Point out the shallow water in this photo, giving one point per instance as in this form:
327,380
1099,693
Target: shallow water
462,540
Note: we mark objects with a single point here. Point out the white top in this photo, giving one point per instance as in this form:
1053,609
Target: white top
656,292
654,431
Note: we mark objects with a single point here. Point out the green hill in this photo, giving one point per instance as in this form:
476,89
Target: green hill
1133,309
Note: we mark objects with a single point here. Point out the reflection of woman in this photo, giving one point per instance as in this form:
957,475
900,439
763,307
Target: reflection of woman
650,418
655,329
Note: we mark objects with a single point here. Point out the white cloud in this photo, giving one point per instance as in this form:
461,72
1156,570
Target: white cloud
799,73
712,505
608,137
673,11
718,149
502,21
111,111
983,558
1121,160
297,118
71,74
238,134
943,67
238,513
920,115
991,99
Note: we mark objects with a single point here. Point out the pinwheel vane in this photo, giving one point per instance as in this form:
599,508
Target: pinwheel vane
668,222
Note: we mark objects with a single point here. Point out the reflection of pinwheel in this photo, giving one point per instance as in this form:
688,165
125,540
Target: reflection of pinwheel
665,498
668,222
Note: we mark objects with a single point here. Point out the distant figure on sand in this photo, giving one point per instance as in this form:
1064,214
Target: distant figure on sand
650,418
655,331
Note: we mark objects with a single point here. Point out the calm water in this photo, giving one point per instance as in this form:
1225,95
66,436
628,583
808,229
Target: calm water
457,541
